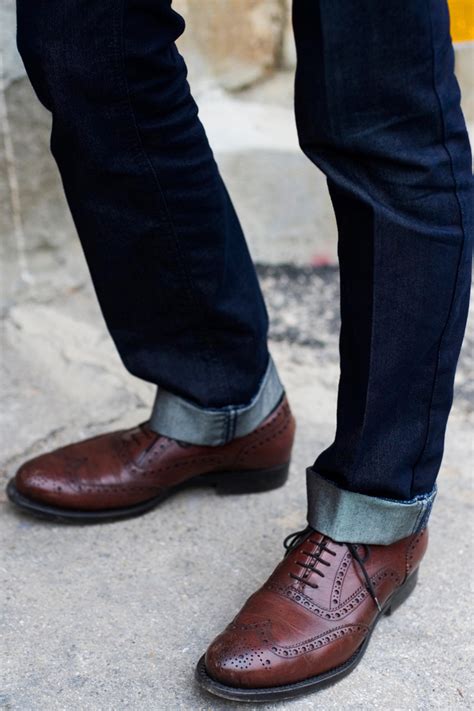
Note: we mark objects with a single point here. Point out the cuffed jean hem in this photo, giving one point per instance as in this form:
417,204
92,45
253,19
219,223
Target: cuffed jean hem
178,418
350,517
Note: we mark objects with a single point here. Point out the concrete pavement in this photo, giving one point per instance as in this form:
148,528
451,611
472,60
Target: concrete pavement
115,616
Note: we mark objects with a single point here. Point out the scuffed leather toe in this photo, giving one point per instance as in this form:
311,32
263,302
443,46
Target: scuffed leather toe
39,479
311,621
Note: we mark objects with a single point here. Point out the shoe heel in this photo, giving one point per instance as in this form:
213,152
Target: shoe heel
401,595
251,481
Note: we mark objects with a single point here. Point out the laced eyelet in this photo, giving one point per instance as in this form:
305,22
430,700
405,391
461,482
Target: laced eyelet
292,541
303,580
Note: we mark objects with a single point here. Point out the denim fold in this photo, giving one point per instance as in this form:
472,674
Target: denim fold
350,517
175,417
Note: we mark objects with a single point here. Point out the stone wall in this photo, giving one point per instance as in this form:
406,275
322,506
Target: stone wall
237,42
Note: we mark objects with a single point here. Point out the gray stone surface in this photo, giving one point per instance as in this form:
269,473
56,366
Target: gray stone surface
11,66
464,58
235,43
115,616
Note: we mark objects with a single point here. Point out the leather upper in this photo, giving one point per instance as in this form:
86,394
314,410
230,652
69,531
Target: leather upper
130,466
289,631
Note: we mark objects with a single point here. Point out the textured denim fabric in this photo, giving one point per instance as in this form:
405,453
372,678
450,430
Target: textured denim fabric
378,110
350,517
180,419
167,255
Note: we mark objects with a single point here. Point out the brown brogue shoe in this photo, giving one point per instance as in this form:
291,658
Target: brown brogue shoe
127,473
310,623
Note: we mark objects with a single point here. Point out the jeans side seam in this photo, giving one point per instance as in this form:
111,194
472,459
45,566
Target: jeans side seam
443,141
372,328
372,333
422,521
230,425
209,348
420,515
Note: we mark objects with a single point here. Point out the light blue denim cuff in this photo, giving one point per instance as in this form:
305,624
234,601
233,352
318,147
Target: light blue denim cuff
178,418
349,517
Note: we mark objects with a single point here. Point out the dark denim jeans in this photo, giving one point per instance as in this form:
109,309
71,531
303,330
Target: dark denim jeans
377,109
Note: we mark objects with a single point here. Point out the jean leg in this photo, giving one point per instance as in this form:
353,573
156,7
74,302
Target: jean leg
167,255
378,110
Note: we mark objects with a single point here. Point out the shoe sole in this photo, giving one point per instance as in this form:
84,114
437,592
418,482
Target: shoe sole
314,683
238,482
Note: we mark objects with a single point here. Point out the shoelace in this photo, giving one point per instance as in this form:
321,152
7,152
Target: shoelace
294,539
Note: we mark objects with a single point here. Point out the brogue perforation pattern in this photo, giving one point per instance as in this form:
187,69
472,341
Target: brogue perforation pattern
346,607
310,645
245,655
339,579
262,441
411,552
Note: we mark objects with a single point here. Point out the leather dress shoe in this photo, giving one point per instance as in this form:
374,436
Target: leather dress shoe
310,623
129,472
